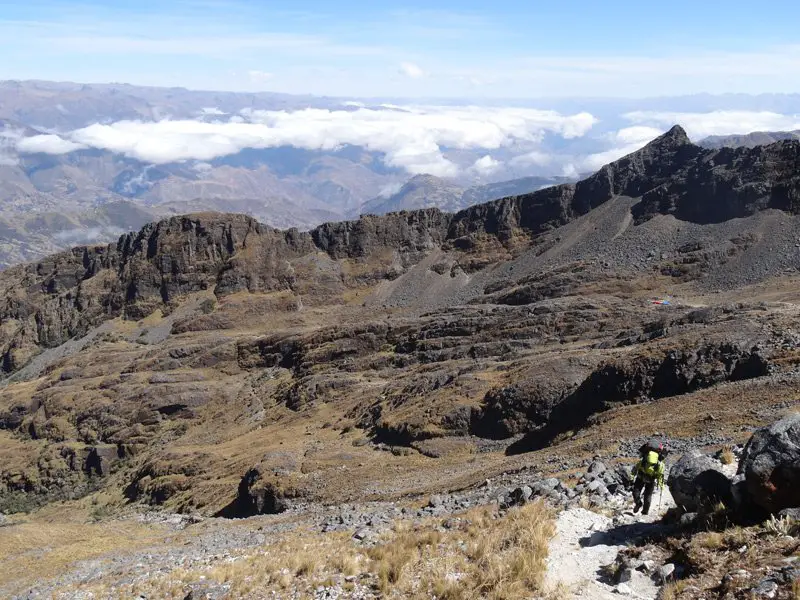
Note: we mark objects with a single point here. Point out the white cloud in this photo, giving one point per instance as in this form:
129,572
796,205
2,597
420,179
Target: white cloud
410,137
486,165
47,144
594,161
721,122
637,134
411,70
624,141
569,170
535,157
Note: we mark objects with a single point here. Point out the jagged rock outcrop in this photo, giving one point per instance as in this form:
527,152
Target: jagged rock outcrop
520,407
258,495
404,232
45,304
729,183
548,406
771,465
552,207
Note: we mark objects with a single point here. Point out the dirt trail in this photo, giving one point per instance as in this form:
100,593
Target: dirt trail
586,541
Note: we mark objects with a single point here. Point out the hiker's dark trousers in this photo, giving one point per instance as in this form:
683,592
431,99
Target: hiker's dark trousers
646,485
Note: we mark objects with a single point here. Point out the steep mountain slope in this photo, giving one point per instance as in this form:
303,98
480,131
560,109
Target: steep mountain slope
170,364
503,189
421,191
427,191
27,236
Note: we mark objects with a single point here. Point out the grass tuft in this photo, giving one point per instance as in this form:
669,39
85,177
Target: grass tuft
672,591
727,457
786,526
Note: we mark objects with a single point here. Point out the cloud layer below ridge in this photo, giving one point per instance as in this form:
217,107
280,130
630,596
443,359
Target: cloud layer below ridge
412,138
446,141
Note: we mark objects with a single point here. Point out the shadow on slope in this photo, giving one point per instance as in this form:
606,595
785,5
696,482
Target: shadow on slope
640,380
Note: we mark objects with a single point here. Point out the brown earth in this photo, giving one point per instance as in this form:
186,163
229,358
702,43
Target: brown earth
399,355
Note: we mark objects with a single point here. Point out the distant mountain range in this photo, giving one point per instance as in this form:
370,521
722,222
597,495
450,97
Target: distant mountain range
55,192
427,191
749,140
54,197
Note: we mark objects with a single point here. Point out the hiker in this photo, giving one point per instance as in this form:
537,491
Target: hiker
648,472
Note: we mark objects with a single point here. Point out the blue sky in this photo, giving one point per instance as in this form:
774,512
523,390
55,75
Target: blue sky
436,49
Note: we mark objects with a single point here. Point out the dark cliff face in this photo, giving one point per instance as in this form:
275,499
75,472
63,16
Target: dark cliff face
633,175
406,231
228,253
44,304
729,183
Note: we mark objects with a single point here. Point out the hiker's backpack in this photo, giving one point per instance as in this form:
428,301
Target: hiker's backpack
654,445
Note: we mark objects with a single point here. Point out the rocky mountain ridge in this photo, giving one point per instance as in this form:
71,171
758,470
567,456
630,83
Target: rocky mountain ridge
47,303
749,140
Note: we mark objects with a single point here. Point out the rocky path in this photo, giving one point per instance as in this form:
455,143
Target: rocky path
587,541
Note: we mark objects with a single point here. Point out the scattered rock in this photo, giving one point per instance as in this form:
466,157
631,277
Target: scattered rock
665,572
792,513
207,591
765,589
597,467
623,589
624,574
436,501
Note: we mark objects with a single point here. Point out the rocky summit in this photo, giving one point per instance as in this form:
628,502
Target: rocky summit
213,367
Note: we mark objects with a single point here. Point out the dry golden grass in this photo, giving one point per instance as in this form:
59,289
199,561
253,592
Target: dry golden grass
796,589
492,557
709,556
484,555
38,549
726,456
786,526
672,591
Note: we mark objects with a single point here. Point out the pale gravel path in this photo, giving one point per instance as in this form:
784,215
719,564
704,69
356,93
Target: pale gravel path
586,541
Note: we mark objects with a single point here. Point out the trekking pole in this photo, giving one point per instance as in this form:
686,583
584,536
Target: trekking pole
660,496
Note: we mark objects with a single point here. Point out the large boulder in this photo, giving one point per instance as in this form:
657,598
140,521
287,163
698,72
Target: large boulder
696,480
771,465
259,493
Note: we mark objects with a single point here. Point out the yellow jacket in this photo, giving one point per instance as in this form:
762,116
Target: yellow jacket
650,468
